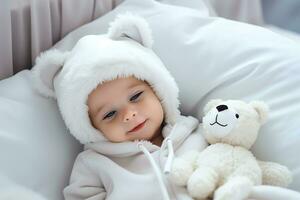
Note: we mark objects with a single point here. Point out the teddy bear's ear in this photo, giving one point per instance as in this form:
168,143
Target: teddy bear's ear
133,27
46,67
212,103
262,109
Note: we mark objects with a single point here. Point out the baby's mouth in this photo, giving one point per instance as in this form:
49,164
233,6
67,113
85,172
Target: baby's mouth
138,127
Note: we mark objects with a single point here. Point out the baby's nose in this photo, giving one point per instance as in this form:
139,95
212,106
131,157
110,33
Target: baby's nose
129,115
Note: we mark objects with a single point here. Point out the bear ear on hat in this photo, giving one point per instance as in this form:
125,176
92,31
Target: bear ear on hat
212,103
46,67
262,110
133,27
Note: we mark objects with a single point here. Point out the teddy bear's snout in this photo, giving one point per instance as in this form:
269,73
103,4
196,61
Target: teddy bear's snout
220,121
222,107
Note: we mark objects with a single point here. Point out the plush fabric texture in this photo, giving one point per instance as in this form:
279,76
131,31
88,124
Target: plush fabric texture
227,169
47,65
212,58
225,121
125,51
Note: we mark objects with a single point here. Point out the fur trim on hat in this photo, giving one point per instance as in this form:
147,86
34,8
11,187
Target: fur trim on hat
125,51
47,66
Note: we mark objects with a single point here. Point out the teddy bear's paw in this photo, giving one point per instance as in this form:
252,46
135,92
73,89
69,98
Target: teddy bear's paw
237,188
181,172
277,175
202,183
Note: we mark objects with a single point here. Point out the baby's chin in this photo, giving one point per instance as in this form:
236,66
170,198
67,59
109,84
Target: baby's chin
142,136
147,133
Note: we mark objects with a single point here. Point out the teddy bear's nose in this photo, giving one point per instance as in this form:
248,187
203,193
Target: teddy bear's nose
220,108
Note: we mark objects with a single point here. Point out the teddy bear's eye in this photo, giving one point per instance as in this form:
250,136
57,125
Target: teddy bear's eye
237,116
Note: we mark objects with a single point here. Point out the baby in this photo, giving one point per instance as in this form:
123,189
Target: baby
118,99
126,109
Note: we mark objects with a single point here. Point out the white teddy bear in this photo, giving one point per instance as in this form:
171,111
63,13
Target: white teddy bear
227,169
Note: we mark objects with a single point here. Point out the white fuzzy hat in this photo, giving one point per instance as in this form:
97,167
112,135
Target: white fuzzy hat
124,51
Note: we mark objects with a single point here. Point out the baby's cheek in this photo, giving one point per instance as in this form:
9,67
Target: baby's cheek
111,129
102,127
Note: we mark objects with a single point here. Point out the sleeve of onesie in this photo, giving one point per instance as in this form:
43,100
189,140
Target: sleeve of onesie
84,184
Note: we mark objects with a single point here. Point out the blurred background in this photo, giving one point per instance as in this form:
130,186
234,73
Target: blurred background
282,13
28,27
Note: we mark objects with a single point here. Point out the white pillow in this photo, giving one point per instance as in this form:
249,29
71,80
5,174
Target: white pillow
217,58
36,150
12,191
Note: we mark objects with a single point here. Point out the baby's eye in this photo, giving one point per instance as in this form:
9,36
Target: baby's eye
110,114
136,96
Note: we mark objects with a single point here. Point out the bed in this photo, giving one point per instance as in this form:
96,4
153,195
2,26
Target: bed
206,47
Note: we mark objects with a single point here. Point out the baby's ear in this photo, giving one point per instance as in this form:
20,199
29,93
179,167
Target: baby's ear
46,67
133,27
262,110
212,103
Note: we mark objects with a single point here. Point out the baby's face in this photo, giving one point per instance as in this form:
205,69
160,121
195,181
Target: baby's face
125,109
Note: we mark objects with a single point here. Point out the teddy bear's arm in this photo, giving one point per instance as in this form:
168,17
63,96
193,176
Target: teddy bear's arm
183,167
275,174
